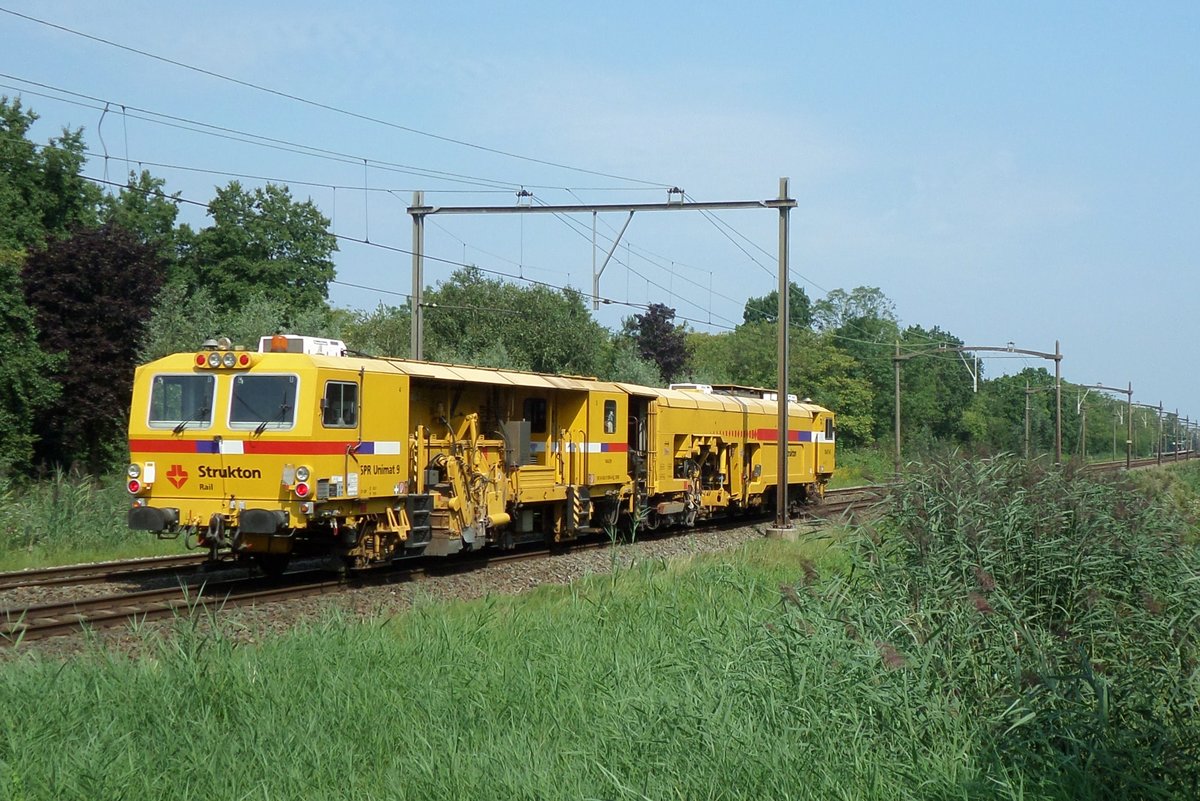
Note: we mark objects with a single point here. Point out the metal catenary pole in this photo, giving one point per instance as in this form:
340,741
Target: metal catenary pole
1056,357
1128,393
896,364
781,495
419,211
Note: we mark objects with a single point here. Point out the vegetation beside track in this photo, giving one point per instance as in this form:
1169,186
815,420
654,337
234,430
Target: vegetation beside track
1001,634
65,519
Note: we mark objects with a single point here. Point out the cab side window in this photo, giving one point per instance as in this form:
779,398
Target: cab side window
829,429
610,417
339,408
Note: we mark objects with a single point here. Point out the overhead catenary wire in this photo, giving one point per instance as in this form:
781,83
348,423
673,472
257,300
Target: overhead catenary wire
366,241
517,277
391,248
330,107
454,263
572,224
259,140
534,282
346,158
654,258
293,181
495,186
721,225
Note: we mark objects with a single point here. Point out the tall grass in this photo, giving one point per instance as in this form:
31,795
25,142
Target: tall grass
66,518
1060,612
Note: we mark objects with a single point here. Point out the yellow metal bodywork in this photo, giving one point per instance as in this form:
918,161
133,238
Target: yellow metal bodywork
445,457
711,451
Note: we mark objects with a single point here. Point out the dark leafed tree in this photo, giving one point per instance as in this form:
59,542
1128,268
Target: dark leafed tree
766,308
91,294
262,241
936,389
659,340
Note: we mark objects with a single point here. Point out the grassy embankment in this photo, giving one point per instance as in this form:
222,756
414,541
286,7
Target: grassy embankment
1000,635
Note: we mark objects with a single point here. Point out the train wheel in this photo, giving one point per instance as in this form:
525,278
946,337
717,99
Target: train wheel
272,564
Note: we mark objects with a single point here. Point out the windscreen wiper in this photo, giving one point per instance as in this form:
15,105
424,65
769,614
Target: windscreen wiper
197,417
284,408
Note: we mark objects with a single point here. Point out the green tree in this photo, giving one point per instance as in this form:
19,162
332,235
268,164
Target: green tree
92,294
862,324
840,309
26,388
143,208
817,369
41,192
476,320
995,418
748,355
936,388
262,241
766,308
621,362
383,331
178,322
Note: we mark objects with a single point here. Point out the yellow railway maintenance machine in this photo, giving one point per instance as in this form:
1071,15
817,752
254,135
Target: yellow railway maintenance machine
301,448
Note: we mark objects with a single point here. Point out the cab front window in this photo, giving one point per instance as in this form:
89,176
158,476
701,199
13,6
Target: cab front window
263,401
181,401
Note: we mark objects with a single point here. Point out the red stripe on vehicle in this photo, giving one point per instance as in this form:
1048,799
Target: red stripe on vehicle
772,435
162,445
277,447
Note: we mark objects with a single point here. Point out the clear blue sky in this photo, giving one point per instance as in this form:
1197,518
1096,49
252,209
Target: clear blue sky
1009,171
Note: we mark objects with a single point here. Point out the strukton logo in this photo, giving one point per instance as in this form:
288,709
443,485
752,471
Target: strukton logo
177,476
229,472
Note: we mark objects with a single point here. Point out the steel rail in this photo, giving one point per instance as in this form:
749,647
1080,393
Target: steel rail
97,572
39,621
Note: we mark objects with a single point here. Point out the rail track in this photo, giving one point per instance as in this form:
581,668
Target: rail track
99,572
1168,459
40,621
193,592
848,501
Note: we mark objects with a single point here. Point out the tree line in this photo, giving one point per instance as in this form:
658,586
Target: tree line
93,283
